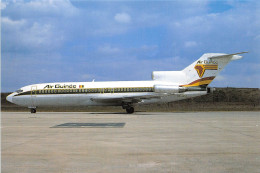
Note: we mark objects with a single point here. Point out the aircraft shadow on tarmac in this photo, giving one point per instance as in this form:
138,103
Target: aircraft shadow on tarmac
120,113
90,125
107,113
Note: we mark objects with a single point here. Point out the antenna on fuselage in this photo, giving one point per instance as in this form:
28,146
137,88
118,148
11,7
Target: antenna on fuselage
93,80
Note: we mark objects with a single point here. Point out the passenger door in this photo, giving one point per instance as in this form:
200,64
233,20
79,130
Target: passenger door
33,95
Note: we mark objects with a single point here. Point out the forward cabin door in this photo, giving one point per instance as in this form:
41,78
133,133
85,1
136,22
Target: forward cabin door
33,95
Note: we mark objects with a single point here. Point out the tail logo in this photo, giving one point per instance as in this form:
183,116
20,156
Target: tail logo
202,66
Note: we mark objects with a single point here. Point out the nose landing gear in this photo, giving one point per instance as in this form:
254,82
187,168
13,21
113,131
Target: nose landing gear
33,110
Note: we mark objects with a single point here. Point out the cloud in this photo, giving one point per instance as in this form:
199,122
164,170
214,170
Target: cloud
21,35
12,23
3,5
190,44
108,49
41,8
31,26
220,78
122,18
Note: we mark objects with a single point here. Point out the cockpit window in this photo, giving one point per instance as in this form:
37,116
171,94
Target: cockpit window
19,91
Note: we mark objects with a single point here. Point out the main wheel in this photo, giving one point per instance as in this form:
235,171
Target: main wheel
130,110
33,110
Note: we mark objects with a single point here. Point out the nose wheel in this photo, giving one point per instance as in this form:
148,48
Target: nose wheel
33,110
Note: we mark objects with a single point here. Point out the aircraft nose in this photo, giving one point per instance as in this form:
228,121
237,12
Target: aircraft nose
10,97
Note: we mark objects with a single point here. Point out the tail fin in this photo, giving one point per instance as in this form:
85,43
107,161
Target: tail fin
206,68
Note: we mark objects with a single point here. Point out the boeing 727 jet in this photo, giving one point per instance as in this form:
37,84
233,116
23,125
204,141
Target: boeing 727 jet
165,86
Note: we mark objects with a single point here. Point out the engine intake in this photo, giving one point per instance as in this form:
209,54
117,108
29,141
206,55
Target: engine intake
210,90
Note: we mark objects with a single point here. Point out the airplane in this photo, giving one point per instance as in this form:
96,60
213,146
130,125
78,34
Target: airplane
165,86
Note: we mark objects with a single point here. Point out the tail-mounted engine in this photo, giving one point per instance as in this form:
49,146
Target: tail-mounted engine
179,89
168,89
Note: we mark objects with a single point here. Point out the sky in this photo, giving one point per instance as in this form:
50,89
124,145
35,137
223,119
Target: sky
74,41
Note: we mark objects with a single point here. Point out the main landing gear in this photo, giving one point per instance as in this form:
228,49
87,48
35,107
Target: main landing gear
33,110
130,110
128,107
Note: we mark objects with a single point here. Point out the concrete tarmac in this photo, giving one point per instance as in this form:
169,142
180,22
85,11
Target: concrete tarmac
141,142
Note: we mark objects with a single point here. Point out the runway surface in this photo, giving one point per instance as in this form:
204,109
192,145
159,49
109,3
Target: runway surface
141,142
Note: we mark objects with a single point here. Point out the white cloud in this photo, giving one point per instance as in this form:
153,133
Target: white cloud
13,23
23,35
62,8
220,78
122,18
108,49
87,77
33,26
190,44
3,5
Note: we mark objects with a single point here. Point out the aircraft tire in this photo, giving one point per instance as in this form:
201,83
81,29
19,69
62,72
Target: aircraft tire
130,110
33,110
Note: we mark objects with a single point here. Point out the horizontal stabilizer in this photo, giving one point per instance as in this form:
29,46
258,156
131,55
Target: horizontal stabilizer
233,55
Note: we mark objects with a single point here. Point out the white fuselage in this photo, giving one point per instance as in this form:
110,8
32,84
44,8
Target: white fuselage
93,93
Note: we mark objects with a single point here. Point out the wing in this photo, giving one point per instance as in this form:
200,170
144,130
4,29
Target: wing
125,98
